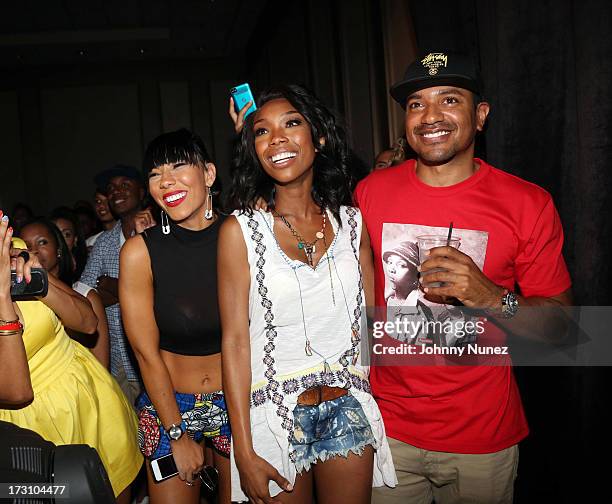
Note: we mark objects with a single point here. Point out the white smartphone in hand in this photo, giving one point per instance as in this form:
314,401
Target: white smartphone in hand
163,468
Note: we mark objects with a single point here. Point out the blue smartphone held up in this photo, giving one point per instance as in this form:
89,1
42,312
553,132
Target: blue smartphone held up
241,95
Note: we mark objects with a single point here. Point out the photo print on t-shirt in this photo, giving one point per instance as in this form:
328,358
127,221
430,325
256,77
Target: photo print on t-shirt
419,319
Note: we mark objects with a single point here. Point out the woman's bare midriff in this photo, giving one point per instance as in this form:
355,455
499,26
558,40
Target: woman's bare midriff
192,374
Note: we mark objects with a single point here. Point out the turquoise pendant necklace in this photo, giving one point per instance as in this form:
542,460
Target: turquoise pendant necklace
309,248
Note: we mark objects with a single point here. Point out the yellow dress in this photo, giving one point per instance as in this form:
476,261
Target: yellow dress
76,400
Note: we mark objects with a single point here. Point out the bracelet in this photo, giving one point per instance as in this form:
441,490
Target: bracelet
10,333
4,322
12,326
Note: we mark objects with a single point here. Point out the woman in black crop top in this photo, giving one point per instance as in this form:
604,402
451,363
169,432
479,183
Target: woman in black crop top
168,295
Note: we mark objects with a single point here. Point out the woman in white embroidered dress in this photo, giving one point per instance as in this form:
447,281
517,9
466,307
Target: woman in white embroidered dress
291,297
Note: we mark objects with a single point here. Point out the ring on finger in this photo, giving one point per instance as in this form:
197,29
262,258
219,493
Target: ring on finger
188,483
24,254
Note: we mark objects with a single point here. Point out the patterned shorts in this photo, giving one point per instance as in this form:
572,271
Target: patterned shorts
204,414
328,430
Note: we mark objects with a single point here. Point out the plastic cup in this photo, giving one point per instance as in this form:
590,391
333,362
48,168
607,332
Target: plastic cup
427,242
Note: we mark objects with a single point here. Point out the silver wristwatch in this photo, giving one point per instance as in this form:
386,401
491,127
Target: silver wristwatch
175,432
510,304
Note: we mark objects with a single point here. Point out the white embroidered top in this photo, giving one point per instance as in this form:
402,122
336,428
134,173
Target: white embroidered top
289,302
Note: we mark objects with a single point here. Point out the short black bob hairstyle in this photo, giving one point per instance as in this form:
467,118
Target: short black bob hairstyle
65,273
332,177
180,146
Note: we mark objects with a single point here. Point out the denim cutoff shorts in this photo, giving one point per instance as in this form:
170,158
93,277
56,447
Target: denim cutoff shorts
330,429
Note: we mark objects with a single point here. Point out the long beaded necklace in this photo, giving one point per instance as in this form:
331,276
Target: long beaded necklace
308,247
309,250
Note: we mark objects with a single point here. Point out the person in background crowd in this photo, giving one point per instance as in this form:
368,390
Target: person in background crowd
454,429
46,242
383,159
173,325
44,239
73,399
125,192
393,156
87,220
20,215
67,222
82,203
292,283
104,215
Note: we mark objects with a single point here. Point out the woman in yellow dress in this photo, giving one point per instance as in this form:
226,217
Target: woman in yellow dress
76,401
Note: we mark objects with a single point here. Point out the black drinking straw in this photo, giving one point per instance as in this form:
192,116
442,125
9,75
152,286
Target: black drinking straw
450,234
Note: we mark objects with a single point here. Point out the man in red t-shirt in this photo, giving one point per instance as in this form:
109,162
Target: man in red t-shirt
454,430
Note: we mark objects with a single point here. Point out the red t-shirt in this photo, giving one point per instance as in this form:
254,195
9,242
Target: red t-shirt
511,229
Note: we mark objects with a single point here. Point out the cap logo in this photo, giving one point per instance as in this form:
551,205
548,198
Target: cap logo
433,61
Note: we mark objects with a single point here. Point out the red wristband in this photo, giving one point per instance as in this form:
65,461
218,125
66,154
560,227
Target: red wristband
13,326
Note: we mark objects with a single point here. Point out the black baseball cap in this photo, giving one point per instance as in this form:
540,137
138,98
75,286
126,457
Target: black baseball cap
103,178
437,69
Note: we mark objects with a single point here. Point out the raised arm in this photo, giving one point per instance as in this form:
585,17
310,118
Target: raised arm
74,310
15,384
234,284
238,118
98,343
539,270
136,297
467,283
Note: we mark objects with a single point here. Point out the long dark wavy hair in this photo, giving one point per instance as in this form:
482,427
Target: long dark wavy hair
65,273
180,146
332,178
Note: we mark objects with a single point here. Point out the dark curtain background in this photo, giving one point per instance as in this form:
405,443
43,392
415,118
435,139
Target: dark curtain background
547,67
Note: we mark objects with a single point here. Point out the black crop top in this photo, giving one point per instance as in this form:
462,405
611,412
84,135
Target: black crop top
184,266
